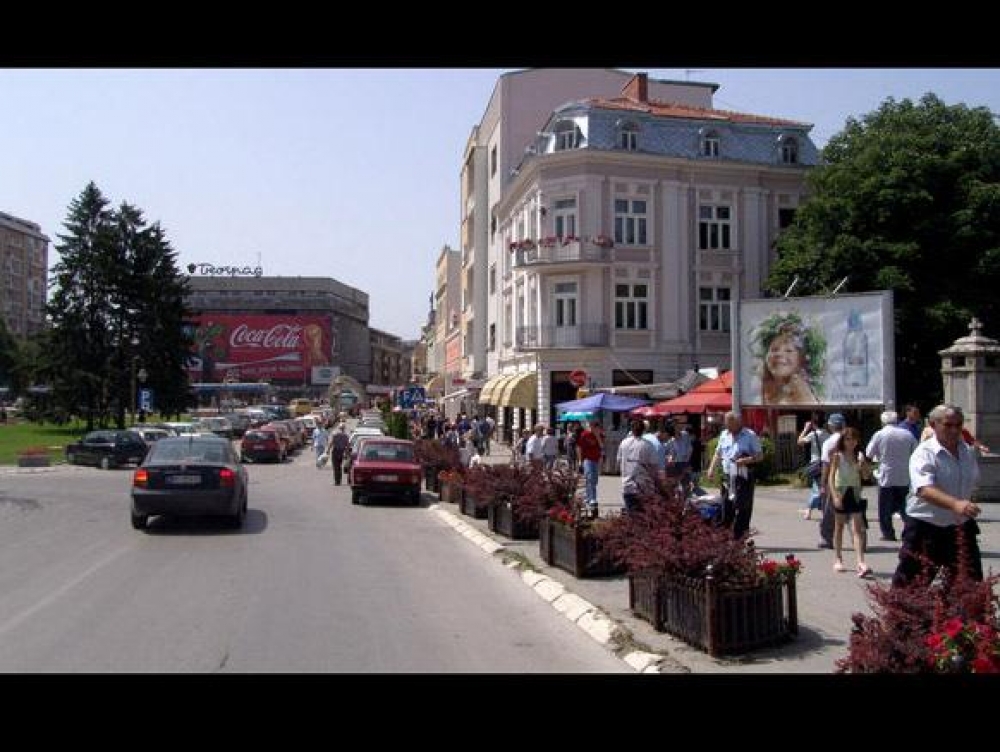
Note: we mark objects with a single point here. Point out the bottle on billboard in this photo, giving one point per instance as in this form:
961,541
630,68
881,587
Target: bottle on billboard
855,352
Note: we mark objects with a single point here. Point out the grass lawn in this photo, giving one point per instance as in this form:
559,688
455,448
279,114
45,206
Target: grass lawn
15,437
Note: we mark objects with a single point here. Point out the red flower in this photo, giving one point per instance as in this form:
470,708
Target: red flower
953,627
985,666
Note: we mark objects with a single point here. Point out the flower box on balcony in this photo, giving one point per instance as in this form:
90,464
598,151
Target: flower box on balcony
716,618
574,549
503,520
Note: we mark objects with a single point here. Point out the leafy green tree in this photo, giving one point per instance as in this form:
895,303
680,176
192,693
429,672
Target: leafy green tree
908,199
9,354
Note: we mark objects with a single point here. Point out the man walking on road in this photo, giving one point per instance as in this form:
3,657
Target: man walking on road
738,449
338,447
891,447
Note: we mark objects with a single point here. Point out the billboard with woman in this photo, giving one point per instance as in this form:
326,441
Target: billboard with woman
804,352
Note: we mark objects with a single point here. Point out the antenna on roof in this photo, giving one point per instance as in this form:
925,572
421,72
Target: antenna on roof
837,288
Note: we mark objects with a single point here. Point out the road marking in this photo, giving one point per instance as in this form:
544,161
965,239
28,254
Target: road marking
61,591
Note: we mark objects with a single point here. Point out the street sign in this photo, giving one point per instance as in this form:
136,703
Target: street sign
146,400
578,377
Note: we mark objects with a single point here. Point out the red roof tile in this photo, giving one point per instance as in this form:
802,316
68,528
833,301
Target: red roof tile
673,109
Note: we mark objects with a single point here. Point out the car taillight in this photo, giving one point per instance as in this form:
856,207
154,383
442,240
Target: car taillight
227,478
140,477
415,478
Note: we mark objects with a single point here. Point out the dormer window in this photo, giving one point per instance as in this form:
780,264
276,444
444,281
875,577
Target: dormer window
789,146
567,135
628,136
709,144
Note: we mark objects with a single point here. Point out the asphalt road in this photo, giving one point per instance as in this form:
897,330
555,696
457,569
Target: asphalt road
312,583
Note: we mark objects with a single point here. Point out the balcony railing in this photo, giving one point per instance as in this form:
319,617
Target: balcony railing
561,252
582,335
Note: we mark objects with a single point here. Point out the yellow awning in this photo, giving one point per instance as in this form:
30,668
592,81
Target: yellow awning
435,385
490,393
520,391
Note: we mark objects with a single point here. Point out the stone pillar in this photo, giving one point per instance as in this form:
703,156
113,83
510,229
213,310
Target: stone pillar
970,370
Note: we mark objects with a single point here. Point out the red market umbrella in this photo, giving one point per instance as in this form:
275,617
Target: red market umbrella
715,396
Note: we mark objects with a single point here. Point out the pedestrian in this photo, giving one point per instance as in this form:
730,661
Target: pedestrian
847,466
739,450
912,420
944,474
891,446
337,448
827,522
573,432
679,452
640,465
319,441
589,448
813,435
550,448
533,448
487,426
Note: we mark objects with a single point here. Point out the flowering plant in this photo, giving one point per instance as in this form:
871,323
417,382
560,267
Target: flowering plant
563,515
31,451
770,570
959,646
603,241
548,242
567,239
453,475
522,245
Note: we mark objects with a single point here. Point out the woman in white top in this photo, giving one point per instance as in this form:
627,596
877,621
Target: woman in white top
847,465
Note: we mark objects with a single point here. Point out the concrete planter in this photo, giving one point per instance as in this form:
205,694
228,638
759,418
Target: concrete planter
33,460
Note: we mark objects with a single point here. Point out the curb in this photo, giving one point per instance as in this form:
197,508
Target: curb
580,611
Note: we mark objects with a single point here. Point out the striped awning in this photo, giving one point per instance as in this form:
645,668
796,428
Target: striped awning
520,391
492,389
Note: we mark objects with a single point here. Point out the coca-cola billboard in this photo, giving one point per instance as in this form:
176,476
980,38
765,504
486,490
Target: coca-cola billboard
241,347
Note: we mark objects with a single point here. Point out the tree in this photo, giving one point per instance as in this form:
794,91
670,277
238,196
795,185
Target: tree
908,199
118,306
9,353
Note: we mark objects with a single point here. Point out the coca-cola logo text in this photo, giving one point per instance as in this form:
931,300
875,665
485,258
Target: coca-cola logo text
279,336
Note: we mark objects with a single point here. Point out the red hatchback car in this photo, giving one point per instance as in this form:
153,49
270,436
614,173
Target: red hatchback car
385,467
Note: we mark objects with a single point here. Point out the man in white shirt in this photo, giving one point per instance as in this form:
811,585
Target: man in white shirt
639,463
943,475
891,447
533,450
739,449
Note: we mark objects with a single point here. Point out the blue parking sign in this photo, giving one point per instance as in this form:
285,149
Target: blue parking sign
146,400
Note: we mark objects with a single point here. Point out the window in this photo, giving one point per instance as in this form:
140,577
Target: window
493,224
714,228
564,300
713,309
493,161
710,144
628,137
785,218
631,302
630,221
565,217
493,278
567,135
493,337
789,150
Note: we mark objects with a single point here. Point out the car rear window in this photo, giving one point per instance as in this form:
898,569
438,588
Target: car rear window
260,436
168,451
388,452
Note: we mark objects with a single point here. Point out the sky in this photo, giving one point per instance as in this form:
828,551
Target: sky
344,173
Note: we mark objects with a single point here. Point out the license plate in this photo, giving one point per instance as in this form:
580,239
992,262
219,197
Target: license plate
386,479
183,480
258,446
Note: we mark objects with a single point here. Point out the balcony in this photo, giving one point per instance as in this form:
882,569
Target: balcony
556,337
556,251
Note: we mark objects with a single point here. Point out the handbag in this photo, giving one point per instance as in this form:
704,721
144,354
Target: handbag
321,461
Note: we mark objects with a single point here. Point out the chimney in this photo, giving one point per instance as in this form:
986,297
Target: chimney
637,88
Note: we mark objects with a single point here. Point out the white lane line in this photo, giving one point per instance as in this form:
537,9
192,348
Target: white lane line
61,591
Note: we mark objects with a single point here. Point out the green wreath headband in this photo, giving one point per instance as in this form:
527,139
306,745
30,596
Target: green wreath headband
808,339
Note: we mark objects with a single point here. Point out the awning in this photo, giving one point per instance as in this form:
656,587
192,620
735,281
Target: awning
435,385
520,391
493,388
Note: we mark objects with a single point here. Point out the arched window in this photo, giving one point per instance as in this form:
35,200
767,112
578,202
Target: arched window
789,146
567,135
628,135
709,146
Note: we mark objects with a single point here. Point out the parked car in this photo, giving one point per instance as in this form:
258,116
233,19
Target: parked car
262,444
190,475
107,449
218,425
150,434
385,467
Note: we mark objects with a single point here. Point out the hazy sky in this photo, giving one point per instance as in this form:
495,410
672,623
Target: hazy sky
347,173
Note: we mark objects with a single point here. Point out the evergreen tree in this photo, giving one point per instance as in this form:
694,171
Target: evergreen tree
908,199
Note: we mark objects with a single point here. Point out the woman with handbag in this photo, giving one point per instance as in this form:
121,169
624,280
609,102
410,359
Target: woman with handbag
813,435
847,466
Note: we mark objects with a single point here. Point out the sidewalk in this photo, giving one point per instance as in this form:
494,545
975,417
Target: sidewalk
826,599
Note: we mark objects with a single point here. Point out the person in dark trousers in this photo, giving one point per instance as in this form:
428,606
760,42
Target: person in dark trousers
891,447
944,474
739,450
337,449
835,423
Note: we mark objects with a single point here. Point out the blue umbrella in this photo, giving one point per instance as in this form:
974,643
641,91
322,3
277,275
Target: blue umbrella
616,403
576,415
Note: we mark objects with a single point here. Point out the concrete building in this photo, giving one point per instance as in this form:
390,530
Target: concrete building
626,224
341,310
24,265
390,361
448,377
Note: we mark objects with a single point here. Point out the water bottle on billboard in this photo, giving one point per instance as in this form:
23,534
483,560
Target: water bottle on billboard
855,352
